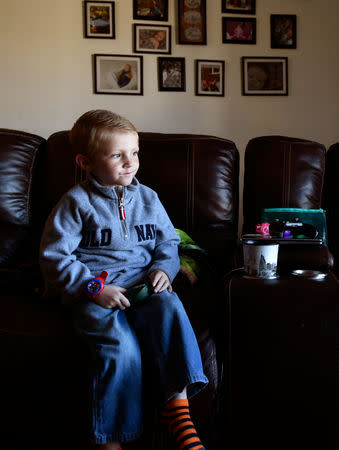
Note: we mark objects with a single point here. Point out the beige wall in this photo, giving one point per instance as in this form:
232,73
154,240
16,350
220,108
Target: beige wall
46,73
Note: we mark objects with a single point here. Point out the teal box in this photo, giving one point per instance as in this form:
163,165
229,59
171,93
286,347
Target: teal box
315,217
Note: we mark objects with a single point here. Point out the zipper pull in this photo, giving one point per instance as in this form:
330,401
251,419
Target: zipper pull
123,214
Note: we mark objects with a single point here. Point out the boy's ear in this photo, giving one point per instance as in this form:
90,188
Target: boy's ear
82,161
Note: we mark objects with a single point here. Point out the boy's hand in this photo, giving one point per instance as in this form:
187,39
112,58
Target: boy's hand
160,281
113,297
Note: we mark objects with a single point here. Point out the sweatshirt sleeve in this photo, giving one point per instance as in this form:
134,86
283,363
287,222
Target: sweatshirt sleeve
61,237
165,256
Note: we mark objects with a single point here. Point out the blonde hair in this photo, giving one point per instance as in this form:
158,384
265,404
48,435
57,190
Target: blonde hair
93,127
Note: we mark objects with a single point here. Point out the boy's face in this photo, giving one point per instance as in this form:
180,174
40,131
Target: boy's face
118,161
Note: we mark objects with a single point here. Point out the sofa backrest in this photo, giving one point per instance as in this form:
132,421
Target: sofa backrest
197,179
58,171
281,172
18,166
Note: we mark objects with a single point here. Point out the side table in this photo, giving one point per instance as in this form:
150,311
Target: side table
281,391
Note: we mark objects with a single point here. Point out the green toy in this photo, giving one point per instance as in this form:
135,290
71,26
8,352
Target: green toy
193,260
139,292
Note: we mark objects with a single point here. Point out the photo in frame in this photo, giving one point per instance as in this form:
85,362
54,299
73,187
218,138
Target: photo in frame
152,38
209,78
238,6
150,10
283,31
264,75
99,19
171,74
118,74
239,30
192,22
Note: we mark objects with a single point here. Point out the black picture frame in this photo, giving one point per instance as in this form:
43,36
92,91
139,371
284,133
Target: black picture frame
283,31
239,30
151,38
99,20
192,22
118,74
150,10
238,6
171,74
264,75
210,78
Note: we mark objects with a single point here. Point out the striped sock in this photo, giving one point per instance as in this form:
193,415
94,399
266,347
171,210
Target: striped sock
177,415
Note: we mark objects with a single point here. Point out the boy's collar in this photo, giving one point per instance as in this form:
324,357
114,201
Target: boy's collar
109,191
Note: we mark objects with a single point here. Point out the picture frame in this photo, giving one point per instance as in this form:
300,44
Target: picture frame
99,20
265,75
283,31
152,38
210,78
118,74
239,30
150,10
171,74
192,22
238,6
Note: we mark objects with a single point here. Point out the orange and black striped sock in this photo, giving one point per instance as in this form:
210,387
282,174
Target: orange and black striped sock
177,415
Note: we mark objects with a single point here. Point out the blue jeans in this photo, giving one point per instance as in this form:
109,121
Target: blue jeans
154,338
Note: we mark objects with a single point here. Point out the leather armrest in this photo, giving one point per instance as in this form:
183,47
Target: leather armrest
304,256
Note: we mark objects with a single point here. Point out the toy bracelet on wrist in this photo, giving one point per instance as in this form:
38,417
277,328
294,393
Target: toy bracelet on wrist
96,285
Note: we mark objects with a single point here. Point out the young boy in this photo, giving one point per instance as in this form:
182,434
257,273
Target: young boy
112,223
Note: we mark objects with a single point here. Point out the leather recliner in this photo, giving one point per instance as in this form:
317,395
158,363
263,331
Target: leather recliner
282,343
43,365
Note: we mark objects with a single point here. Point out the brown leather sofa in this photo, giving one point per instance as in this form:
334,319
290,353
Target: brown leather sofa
43,365
282,332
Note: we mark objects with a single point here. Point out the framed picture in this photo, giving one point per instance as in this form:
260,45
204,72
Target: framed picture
238,6
152,38
264,75
239,30
192,22
150,10
171,74
99,20
209,78
283,31
118,74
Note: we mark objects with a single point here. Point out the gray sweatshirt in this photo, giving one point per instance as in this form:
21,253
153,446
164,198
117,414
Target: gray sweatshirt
86,233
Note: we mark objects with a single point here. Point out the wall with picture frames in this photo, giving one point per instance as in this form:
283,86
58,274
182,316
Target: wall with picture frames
230,68
124,74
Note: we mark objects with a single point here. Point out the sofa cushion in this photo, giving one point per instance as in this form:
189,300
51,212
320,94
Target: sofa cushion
281,172
18,151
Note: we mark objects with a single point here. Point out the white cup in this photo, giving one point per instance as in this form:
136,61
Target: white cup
260,258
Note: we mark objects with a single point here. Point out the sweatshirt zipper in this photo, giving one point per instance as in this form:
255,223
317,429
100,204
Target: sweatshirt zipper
122,212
